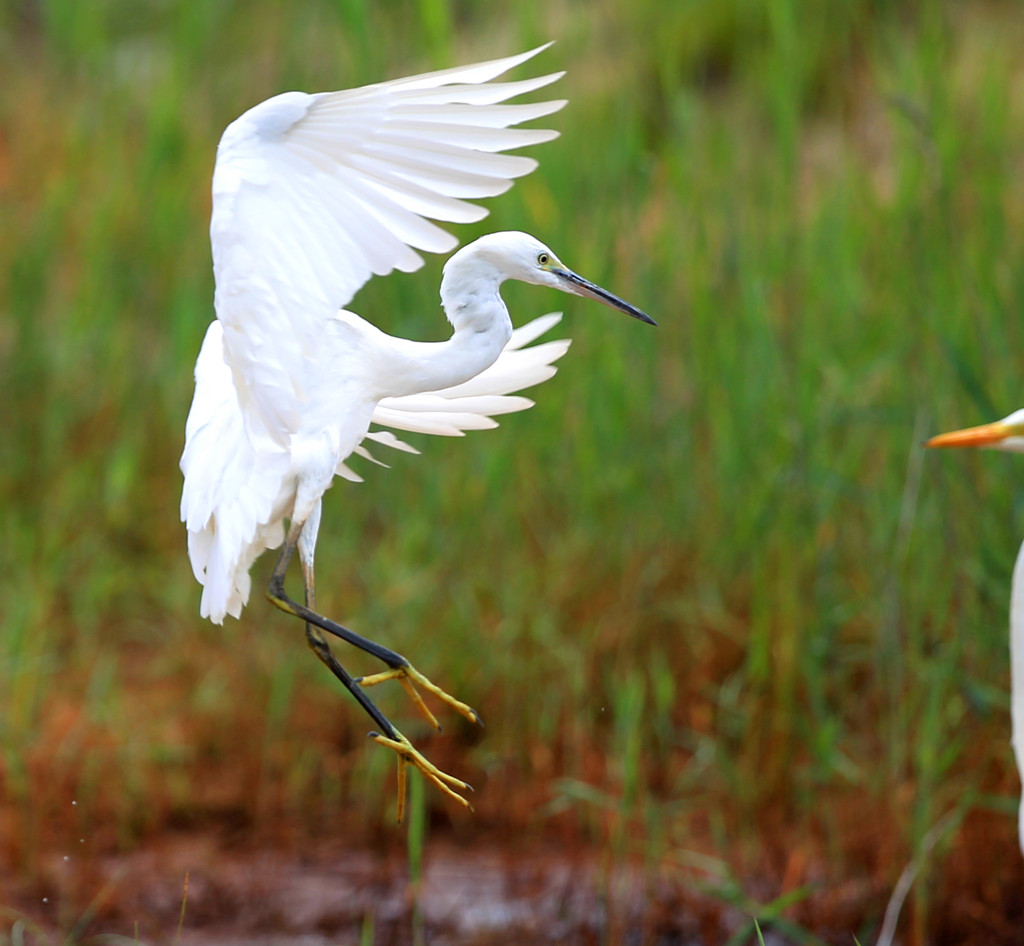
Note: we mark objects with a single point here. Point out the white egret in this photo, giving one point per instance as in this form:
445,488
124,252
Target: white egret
312,194
1005,434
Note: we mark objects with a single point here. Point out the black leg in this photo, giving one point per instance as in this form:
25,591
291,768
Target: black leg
400,668
322,649
390,737
279,597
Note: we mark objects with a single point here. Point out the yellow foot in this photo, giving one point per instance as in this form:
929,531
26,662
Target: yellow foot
409,677
408,755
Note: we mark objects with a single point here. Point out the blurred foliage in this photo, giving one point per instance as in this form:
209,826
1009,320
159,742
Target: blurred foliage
709,594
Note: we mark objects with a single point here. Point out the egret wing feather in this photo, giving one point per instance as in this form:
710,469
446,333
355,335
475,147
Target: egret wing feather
475,73
489,93
447,423
500,169
388,439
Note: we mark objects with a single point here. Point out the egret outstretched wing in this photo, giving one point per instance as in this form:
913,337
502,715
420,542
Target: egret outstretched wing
313,194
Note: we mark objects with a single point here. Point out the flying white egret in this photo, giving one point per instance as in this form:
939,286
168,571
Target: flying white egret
312,194
1005,434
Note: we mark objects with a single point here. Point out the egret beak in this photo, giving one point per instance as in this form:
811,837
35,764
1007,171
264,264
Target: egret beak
987,435
579,286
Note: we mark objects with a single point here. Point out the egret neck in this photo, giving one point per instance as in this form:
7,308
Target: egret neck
482,328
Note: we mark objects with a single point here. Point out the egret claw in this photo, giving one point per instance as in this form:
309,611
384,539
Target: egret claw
410,677
409,755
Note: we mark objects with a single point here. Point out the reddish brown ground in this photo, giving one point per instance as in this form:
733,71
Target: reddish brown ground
476,895
264,868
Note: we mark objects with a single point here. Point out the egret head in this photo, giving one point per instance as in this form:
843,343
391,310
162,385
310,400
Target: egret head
520,256
1005,434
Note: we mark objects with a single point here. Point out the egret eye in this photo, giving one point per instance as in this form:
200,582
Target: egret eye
543,259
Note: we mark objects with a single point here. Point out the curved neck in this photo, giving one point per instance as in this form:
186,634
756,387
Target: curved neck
419,367
470,298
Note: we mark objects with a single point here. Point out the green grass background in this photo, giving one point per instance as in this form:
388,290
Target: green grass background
710,595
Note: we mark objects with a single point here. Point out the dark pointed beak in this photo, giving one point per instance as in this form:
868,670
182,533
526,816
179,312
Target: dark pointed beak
579,286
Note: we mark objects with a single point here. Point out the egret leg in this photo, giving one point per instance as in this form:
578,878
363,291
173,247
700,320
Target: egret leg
399,667
391,737
318,643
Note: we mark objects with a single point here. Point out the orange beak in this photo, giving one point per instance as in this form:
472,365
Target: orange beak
986,435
